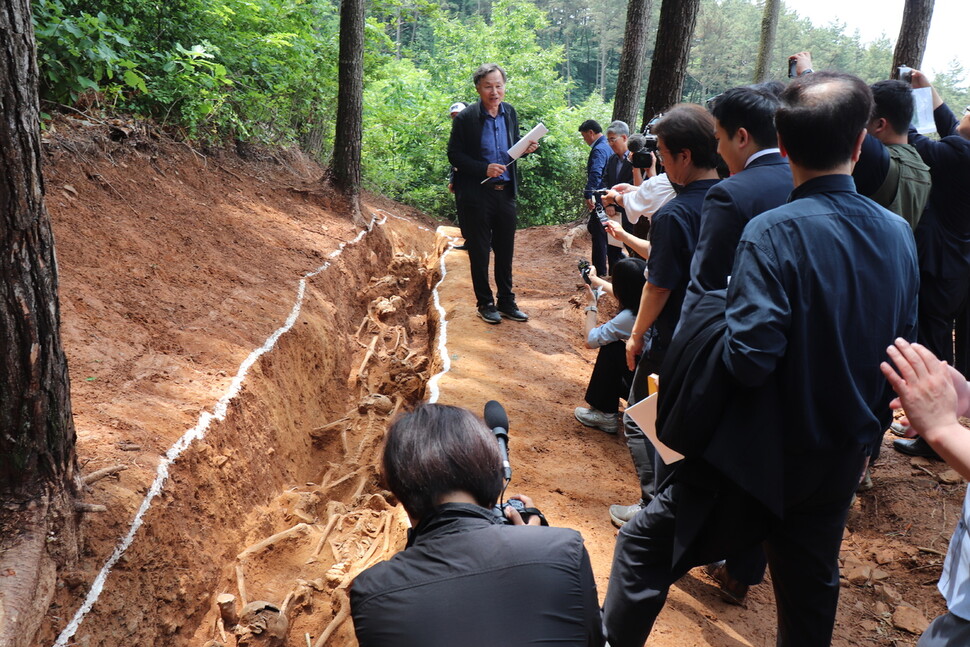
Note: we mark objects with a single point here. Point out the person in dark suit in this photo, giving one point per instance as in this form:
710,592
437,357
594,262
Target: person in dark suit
619,170
485,189
801,396
760,180
943,240
688,150
599,153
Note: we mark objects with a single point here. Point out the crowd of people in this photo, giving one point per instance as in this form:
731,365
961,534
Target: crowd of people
797,238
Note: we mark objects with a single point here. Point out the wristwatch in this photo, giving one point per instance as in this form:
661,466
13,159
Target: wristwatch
591,309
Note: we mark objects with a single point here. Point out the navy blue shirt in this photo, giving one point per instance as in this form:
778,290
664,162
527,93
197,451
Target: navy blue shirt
820,287
673,236
496,142
873,165
599,152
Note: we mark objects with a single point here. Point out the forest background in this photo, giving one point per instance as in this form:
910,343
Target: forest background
265,71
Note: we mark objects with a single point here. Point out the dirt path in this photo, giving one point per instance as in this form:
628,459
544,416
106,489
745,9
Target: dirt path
176,267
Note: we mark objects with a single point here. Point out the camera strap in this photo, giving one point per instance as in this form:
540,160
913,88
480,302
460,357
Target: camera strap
534,512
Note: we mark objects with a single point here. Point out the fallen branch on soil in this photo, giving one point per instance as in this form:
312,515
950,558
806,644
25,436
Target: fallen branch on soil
932,551
102,473
80,506
100,178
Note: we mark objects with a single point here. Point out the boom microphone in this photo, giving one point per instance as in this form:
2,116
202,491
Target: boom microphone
498,421
636,142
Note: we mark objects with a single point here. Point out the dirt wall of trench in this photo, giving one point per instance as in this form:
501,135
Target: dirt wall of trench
162,303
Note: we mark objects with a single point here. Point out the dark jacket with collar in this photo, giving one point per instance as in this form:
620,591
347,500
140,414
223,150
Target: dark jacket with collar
804,384
599,155
465,149
943,233
466,579
728,206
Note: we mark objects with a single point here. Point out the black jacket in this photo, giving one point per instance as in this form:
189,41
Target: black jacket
465,149
467,580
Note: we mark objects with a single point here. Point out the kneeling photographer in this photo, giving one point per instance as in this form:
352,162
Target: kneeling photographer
611,378
468,576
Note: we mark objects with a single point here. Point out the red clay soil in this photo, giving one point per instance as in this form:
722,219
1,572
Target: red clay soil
177,264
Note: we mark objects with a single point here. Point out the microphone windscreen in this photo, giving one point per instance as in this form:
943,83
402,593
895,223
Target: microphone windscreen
495,415
636,142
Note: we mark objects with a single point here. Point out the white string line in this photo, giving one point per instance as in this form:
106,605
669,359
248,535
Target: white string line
195,433
433,391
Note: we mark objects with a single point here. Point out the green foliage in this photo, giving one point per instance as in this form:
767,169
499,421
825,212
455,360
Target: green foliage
78,53
266,70
407,126
252,69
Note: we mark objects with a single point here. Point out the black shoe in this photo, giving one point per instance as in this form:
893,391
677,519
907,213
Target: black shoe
731,590
915,447
489,314
512,312
460,247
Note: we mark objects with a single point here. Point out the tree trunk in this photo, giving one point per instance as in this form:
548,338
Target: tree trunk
632,59
769,27
345,168
674,32
38,465
913,33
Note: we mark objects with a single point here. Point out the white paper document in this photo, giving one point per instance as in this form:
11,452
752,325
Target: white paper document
644,413
533,135
923,120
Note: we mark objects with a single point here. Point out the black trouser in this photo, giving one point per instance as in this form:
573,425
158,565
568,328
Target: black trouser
941,302
487,219
641,451
697,520
611,378
604,256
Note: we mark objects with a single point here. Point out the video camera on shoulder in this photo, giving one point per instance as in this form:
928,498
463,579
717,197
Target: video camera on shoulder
643,146
498,421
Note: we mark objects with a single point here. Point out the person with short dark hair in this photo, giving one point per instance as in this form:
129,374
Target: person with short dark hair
688,150
464,576
780,389
611,378
485,190
599,153
760,180
889,170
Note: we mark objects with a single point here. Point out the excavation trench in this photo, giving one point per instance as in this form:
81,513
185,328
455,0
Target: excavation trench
280,501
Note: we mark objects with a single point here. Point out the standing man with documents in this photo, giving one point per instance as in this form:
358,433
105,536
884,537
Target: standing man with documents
486,184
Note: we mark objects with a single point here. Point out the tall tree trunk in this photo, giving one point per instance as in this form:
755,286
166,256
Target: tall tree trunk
913,33
345,168
37,460
670,55
632,59
769,27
